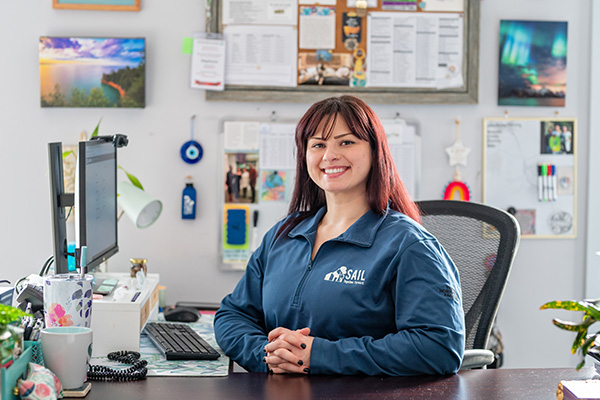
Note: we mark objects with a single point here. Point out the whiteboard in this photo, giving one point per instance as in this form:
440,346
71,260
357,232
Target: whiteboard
269,146
515,151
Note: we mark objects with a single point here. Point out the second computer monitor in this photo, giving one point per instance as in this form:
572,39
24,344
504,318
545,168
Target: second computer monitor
96,201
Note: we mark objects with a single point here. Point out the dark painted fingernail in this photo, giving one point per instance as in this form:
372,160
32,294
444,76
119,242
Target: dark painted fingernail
307,370
265,350
271,372
264,359
303,345
300,362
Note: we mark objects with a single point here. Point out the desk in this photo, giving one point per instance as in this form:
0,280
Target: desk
489,384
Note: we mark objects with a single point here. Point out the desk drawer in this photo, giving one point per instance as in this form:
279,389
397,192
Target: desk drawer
154,297
144,313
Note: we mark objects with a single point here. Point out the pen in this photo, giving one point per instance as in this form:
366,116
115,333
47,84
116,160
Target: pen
83,260
135,296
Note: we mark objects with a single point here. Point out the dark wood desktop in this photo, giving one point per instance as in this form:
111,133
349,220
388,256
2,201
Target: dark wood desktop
489,384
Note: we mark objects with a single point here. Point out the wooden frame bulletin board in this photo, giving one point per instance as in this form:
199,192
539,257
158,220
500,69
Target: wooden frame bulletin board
101,5
530,170
249,209
466,93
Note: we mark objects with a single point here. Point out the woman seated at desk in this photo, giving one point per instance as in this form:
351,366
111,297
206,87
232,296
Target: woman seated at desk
349,282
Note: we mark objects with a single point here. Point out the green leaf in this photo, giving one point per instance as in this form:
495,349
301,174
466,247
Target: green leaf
95,133
572,326
10,314
569,305
564,305
585,347
135,181
66,153
579,340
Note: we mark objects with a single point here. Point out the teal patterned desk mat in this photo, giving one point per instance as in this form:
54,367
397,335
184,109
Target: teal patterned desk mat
159,366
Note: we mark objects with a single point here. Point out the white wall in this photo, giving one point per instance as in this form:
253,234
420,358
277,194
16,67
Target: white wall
184,252
592,288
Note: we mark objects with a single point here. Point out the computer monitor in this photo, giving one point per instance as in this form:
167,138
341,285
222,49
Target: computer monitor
96,201
59,200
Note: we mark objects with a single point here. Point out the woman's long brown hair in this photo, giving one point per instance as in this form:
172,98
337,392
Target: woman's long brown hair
383,183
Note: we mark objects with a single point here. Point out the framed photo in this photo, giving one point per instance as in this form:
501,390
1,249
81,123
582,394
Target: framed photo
92,72
533,63
105,5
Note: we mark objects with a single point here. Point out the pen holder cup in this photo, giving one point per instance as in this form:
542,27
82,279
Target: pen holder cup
68,300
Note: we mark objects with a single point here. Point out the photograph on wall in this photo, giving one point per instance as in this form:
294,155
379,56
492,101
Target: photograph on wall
556,137
533,63
92,72
323,67
241,177
273,185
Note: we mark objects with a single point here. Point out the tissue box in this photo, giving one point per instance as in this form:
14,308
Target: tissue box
117,323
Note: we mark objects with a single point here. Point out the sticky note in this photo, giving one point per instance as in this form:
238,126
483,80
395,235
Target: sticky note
188,45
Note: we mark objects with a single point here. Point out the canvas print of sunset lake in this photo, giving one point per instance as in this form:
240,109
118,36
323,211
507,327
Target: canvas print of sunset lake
92,72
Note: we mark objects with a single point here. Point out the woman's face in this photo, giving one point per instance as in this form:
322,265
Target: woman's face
340,164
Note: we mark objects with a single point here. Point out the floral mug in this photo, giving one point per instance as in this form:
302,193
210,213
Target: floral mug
68,300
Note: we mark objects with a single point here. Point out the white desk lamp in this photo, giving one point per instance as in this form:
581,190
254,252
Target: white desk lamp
140,207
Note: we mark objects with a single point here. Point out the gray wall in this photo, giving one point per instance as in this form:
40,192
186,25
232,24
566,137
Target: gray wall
185,252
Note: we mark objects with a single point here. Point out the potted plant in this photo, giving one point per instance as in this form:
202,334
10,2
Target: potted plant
583,340
9,314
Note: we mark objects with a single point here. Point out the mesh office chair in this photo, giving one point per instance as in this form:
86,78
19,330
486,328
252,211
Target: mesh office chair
482,241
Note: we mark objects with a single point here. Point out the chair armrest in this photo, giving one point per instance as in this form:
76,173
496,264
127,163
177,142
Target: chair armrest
477,358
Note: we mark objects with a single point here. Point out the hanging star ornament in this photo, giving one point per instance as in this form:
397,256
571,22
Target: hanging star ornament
458,153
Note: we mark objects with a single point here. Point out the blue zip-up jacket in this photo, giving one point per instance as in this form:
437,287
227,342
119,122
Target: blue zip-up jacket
382,298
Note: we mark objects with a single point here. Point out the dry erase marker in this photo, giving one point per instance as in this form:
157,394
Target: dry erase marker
554,184
540,184
550,190
255,231
545,182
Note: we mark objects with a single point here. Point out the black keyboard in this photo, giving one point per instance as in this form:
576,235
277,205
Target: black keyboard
179,342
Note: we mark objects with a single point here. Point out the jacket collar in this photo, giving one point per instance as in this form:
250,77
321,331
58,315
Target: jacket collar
361,233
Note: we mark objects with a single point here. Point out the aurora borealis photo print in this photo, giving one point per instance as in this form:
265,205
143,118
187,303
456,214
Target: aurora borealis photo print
533,63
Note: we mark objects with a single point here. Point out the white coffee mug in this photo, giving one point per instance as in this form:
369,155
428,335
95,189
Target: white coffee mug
67,351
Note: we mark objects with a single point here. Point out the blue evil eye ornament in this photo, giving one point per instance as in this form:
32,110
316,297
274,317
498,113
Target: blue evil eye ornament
191,152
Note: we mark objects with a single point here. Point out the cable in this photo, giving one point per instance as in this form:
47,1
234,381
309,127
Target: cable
136,372
46,266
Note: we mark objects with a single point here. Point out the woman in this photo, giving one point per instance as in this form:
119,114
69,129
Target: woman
348,282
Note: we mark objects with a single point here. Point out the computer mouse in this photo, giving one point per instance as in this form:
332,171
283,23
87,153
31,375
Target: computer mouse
181,314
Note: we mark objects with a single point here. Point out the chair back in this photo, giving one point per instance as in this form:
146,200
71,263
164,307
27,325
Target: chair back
482,241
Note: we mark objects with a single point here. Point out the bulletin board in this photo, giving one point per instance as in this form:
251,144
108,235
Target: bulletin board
355,61
248,209
530,170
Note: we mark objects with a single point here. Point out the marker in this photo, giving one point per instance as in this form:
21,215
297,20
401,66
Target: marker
545,180
554,183
255,231
540,184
